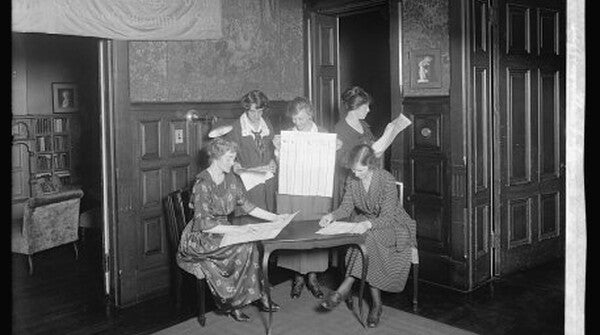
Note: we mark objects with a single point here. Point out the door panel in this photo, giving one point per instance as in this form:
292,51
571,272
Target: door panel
480,141
325,79
530,96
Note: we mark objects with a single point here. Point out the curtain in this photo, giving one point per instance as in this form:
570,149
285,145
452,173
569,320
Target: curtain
120,19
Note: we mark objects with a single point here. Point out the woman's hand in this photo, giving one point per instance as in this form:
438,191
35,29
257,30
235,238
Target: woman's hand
277,217
366,224
272,166
326,220
277,141
236,167
338,144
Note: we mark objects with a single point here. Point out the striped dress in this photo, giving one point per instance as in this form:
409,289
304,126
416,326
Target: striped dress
391,237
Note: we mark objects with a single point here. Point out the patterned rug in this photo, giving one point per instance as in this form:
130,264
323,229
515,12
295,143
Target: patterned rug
302,316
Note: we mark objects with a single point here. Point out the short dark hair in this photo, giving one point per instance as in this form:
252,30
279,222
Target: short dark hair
355,97
362,154
298,104
255,97
220,146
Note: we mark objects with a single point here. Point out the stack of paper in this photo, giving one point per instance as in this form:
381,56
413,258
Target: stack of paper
307,163
341,227
253,177
389,134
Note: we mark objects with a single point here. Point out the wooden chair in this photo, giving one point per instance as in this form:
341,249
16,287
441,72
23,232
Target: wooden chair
178,214
415,254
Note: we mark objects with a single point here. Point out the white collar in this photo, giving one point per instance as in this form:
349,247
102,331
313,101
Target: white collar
247,128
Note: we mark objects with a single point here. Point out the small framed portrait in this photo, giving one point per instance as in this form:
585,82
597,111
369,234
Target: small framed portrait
65,98
425,68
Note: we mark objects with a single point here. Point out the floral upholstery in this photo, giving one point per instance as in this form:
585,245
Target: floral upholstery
48,221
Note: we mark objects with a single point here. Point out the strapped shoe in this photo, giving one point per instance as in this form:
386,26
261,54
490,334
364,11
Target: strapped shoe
374,316
239,316
263,305
297,286
314,287
332,300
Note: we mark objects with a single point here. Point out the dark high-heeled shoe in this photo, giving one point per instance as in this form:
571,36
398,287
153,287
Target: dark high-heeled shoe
239,316
374,316
263,305
314,287
349,302
332,300
297,286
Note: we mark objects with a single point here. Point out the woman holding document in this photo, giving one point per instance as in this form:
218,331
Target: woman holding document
371,200
307,263
232,272
353,130
254,136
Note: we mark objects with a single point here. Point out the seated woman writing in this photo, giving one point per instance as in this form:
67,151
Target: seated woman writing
371,197
232,272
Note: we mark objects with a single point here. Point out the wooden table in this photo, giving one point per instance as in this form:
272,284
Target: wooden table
301,235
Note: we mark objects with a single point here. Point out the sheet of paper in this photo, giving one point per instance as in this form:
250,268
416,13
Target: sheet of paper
391,131
342,227
258,232
253,177
307,163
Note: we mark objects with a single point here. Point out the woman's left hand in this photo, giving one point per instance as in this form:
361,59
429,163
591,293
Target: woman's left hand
272,167
366,224
278,217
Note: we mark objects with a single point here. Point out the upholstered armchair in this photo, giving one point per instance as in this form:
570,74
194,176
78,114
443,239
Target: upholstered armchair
49,220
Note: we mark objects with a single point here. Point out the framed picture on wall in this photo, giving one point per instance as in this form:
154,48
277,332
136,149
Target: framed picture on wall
65,98
425,68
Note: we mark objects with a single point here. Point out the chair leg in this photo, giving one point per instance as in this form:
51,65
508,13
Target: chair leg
178,288
200,289
76,250
30,262
415,287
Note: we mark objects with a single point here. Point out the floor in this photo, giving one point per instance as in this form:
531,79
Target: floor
64,296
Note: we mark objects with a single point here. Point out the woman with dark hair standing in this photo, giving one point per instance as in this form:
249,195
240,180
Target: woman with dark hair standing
232,272
254,135
351,130
371,200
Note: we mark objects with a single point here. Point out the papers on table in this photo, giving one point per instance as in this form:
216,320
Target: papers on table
342,227
255,232
389,134
307,163
253,177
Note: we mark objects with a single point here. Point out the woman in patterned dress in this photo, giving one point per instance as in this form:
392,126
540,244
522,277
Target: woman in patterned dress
254,136
232,272
371,200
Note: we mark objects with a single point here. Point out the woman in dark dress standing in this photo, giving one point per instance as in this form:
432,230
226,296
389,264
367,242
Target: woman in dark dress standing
254,136
352,130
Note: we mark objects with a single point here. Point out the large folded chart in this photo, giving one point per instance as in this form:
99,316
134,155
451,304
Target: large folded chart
307,163
257,231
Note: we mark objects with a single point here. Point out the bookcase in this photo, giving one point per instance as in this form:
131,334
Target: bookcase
49,141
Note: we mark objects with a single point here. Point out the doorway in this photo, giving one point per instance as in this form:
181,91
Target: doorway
66,286
350,47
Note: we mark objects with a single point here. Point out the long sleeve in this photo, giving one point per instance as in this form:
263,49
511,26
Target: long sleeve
347,205
389,202
241,198
203,218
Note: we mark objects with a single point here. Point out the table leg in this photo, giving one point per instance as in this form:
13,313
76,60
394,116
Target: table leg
267,288
365,265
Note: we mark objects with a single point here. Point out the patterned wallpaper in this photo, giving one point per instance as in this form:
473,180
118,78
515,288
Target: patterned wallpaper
262,48
425,28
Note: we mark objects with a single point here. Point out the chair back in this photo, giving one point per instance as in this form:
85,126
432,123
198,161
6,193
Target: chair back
178,215
400,187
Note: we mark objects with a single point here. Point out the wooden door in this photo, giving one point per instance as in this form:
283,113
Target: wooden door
531,132
480,141
325,70
156,152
